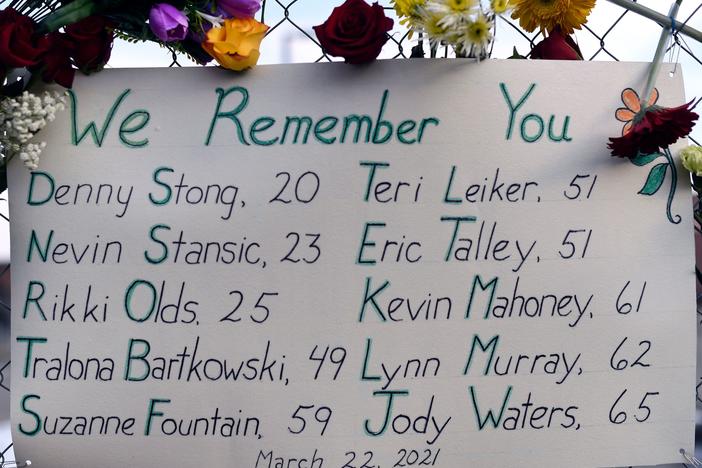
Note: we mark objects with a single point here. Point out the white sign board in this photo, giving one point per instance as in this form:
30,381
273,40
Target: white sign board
414,263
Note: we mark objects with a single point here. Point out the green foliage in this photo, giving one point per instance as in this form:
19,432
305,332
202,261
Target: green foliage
515,54
128,38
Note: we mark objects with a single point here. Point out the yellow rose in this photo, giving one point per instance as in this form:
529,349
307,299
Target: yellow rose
235,44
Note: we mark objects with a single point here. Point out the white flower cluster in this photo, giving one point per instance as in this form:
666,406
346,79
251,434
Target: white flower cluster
21,118
464,24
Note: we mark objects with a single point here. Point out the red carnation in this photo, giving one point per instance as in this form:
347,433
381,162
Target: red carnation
92,38
654,129
355,31
18,45
557,46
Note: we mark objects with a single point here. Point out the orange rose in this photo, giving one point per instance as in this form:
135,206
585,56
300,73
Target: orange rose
235,44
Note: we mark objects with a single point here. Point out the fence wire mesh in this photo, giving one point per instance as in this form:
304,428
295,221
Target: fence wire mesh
613,33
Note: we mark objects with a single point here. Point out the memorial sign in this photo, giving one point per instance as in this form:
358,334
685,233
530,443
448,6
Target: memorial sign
413,263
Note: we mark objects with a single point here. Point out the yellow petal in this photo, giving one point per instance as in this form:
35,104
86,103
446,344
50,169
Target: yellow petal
235,44
250,43
239,62
215,34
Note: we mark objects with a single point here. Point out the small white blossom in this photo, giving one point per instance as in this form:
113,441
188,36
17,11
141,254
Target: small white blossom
22,117
216,21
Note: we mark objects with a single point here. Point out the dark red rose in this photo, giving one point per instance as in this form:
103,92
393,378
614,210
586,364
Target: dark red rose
18,45
355,31
557,46
92,38
56,65
657,128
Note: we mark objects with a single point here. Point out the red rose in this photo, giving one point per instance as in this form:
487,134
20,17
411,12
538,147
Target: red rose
56,65
557,46
93,43
355,31
18,46
657,128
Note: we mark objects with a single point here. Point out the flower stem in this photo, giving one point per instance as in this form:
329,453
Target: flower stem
658,57
673,186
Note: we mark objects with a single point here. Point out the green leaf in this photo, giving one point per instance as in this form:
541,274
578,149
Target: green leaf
643,159
655,179
67,14
75,11
515,54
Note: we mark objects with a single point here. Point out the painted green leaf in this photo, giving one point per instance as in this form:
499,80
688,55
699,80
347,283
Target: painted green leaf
643,159
655,179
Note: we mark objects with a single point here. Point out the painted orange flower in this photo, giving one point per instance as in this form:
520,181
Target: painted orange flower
631,100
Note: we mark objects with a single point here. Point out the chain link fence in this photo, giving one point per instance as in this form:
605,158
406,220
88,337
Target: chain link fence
613,33
278,14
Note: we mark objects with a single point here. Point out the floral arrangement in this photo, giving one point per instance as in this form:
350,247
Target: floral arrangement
54,39
465,25
49,41
468,26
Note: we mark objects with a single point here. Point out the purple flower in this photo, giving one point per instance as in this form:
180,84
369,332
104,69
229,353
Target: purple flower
240,8
168,23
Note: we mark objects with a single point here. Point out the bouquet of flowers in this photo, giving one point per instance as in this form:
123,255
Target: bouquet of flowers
50,41
468,26
58,37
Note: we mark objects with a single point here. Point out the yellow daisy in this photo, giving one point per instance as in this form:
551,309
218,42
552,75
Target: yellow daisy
478,31
454,13
475,37
547,14
499,6
460,6
407,8
431,25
